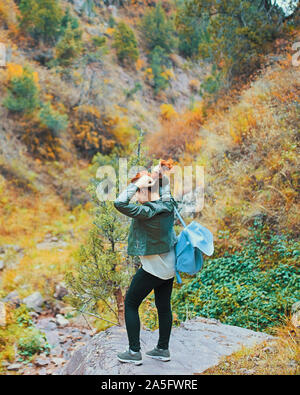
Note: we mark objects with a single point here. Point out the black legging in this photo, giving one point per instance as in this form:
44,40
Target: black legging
141,285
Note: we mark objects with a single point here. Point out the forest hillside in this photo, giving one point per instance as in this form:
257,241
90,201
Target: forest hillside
206,83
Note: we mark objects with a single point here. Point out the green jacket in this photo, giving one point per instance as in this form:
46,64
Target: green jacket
151,230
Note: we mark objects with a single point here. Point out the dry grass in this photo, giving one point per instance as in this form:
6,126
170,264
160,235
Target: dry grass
280,356
26,220
251,156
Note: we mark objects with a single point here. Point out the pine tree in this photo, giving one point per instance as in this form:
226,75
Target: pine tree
158,60
22,93
70,45
235,32
125,44
41,19
104,269
158,29
192,31
53,120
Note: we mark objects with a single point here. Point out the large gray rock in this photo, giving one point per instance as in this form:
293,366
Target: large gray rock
195,346
84,6
2,314
34,301
13,298
296,314
60,291
61,321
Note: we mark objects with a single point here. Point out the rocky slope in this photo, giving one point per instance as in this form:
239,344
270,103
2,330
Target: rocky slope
195,346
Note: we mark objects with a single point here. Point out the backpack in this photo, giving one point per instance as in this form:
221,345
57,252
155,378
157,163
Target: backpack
192,241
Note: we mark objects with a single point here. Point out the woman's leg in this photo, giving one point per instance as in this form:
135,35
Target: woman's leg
163,304
141,285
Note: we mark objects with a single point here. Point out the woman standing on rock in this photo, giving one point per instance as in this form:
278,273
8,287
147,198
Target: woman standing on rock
152,238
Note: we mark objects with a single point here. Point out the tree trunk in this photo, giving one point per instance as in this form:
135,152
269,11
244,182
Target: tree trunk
120,305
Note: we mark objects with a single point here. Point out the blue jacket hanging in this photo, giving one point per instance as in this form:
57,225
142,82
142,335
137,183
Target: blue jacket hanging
192,241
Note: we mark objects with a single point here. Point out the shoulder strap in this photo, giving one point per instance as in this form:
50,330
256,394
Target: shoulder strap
179,216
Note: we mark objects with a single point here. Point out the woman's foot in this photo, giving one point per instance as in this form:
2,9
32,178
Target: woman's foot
131,357
159,353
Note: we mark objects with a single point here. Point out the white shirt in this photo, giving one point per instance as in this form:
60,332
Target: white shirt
160,265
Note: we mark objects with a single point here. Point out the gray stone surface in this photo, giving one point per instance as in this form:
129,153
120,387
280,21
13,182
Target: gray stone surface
13,297
194,346
296,314
34,301
2,314
61,321
14,366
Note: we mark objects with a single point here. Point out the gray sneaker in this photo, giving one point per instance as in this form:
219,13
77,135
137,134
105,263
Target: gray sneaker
130,357
158,353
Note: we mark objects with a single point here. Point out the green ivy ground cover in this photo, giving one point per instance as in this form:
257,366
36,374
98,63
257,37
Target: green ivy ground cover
252,288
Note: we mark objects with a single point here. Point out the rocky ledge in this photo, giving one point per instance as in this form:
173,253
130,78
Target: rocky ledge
195,346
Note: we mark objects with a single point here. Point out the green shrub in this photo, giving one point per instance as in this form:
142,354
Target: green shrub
212,83
19,336
111,21
32,342
158,29
125,44
158,60
41,19
70,45
229,33
191,30
129,93
53,120
99,41
69,20
253,288
22,93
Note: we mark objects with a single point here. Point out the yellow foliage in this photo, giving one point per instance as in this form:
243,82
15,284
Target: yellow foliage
8,13
242,124
14,70
194,85
140,64
149,73
123,131
167,74
28,219
110,31
194,147
268,358
89,110
167,111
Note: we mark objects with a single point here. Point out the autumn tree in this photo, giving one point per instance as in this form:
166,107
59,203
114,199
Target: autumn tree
8,14
178,133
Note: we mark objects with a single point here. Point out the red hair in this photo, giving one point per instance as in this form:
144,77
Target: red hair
167,163
163,163
139,175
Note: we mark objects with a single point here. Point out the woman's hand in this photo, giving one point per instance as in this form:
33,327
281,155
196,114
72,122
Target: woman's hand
158,169
144,182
